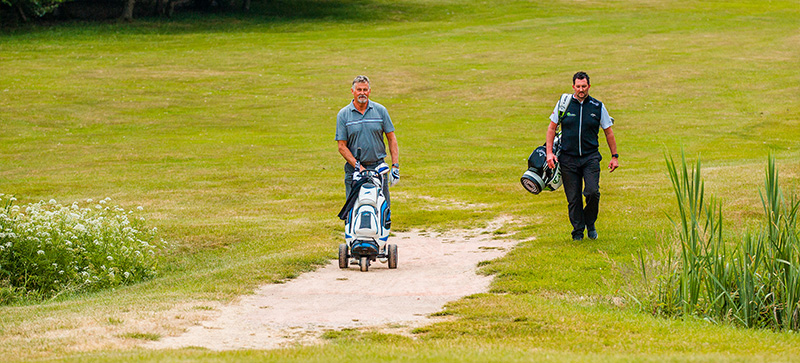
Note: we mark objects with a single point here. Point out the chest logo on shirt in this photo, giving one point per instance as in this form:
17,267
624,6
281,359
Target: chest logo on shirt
570,114
594,116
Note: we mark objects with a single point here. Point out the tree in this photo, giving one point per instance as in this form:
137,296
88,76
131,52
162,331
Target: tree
27,10
127,14
34,7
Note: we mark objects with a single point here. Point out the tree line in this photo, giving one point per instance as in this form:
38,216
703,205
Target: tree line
23,11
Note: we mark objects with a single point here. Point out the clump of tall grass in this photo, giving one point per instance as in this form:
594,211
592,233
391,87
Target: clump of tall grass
753,283
47,249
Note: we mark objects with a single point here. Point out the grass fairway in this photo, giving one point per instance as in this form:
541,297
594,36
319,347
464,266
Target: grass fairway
222,128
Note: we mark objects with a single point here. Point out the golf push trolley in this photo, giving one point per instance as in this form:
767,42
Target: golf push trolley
367,220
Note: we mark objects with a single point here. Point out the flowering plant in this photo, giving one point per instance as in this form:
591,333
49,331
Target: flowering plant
47,248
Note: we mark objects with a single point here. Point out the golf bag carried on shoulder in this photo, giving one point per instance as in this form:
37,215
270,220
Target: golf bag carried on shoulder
539,176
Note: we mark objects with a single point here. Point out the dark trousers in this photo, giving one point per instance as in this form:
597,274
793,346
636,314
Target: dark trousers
581,172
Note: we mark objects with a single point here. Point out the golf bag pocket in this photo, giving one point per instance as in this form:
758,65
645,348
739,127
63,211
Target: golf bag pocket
538,160
365,220
387,217
368,195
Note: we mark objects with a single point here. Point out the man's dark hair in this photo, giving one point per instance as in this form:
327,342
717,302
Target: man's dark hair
581,75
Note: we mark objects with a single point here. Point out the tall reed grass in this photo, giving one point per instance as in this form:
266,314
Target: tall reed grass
47,249
753,283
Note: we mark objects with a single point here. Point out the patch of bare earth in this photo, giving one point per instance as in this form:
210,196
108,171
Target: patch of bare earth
433,269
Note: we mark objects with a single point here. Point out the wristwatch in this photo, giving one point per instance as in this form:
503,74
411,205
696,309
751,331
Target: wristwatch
615,156
396,165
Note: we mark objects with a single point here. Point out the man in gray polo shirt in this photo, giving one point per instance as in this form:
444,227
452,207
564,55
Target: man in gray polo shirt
362,124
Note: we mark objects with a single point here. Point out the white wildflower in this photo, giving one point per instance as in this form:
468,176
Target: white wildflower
40,252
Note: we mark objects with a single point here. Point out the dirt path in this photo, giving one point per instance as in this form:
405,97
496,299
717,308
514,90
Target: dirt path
432,270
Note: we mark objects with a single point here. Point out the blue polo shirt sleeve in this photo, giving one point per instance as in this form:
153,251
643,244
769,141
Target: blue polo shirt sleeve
388,126
605,120
341,122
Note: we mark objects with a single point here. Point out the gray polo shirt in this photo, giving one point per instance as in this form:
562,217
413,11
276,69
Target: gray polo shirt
364,131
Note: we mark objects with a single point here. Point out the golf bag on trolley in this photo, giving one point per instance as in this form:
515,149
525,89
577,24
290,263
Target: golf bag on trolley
367,220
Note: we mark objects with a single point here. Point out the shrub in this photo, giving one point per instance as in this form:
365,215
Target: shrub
47,248
753,283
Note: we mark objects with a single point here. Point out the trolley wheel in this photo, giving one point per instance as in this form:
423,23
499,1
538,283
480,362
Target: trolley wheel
343,255
364,263
392,249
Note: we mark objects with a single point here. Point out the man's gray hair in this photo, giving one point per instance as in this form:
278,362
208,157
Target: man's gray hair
360,79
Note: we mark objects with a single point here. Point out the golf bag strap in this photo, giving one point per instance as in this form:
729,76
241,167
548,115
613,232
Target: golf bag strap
351,199
563,102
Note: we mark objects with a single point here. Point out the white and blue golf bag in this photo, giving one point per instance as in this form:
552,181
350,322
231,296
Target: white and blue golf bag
367,225
367,221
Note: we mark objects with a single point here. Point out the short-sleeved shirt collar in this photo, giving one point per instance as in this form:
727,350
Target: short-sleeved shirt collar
352,107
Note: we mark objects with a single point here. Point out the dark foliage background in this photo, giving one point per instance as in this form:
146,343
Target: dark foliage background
14,13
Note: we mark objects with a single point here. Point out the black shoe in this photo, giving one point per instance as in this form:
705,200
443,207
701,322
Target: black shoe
577,237
592,234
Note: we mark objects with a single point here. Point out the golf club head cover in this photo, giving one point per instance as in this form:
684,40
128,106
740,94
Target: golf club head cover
382,168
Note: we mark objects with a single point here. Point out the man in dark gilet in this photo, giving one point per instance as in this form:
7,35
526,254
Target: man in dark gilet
580,158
